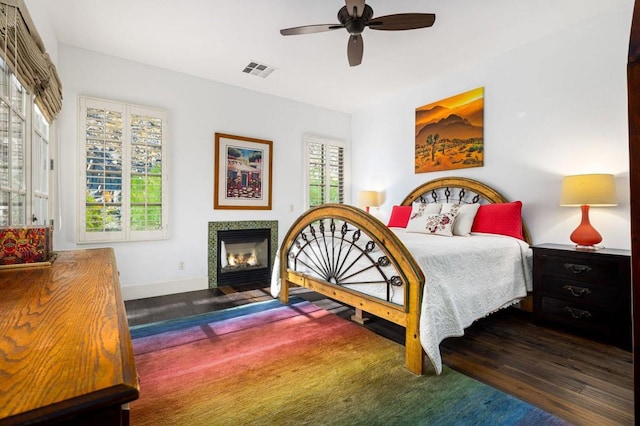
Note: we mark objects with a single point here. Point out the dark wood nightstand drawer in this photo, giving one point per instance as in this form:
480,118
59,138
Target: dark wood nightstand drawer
584,270
583,293
581,316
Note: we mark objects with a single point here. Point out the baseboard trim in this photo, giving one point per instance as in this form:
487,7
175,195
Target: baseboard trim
143,291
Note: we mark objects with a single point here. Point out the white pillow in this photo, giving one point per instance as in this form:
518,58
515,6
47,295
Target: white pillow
464,219
437,224
425,208
419,213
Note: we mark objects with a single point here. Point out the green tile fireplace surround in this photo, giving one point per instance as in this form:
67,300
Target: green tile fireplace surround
214,227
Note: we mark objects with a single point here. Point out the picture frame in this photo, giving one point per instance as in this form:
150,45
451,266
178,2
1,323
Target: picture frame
450,133
243,173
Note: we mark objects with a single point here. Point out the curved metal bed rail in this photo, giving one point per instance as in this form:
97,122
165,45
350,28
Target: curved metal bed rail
339,255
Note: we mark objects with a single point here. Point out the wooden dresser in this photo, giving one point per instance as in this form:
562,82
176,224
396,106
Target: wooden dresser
588,292
65,349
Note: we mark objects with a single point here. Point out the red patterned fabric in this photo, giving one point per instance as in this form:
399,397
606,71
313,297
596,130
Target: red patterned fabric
25,245
499,218
399,216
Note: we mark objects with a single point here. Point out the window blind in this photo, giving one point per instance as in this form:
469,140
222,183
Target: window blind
124,181
24,52
326,171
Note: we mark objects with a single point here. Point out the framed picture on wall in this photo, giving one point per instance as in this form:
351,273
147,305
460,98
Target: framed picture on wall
450,133
242,177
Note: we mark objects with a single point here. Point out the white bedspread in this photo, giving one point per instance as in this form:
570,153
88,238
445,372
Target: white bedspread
464,281
466,278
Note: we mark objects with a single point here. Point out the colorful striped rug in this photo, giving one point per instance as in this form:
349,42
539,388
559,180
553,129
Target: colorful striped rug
272,364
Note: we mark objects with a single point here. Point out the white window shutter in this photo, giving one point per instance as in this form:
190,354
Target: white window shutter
326,171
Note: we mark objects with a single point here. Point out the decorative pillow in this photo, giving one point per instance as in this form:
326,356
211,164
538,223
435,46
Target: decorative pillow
500,218
419,214
464,220
438,224
399,216
433,224
420,208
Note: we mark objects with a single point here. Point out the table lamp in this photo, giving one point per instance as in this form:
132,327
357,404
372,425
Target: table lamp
368,199
598,190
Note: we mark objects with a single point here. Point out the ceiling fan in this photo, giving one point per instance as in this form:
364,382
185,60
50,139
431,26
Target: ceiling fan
355,16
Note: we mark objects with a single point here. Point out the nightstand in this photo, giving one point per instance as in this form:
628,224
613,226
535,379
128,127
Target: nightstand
586,292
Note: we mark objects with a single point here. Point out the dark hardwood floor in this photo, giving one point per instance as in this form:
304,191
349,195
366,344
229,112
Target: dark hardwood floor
580,380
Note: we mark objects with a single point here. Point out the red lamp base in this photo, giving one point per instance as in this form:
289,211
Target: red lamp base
585,235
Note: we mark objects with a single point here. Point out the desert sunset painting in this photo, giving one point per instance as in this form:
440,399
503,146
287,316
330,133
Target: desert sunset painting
450,133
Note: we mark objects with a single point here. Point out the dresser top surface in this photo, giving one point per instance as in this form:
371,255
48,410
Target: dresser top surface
65,341
573,249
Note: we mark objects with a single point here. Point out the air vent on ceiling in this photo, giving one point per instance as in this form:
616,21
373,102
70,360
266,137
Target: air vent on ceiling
261,70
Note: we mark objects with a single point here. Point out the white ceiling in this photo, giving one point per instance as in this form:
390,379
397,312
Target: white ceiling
216,39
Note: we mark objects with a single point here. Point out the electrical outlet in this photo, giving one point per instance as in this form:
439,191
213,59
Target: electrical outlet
181,265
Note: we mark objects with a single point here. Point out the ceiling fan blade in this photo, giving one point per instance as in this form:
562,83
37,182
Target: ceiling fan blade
402,21
355,49
354,7
310,29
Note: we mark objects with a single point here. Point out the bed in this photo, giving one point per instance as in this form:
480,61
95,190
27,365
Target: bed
424,273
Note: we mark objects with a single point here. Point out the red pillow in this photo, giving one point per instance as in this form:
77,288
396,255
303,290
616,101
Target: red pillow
499,218
399,216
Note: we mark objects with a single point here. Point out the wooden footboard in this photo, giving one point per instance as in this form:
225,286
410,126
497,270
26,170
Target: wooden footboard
337,236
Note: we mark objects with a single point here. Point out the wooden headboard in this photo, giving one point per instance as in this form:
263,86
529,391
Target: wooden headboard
459,190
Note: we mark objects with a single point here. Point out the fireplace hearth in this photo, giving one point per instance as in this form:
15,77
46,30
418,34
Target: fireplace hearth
241,252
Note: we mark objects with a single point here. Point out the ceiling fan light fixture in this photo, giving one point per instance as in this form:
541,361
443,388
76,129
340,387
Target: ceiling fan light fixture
355,16
258,69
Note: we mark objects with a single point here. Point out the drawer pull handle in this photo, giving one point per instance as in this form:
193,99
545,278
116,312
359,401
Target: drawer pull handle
577,291
577,269
578,313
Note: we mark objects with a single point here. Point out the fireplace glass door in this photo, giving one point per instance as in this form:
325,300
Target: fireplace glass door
244,256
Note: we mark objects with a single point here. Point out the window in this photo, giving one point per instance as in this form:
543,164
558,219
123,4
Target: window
24,155
40,166
326,174
124,176
30,99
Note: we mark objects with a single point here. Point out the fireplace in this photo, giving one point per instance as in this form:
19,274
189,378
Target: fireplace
244,256
241,252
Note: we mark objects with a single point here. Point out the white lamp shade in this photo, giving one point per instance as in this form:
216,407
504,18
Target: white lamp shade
368,199
593,190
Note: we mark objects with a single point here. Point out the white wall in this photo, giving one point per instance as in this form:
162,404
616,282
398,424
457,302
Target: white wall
197,109
554,107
